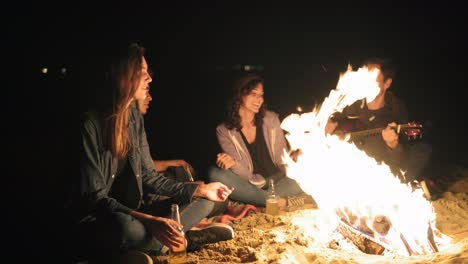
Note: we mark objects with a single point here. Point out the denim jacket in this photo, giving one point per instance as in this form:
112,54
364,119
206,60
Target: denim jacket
98,167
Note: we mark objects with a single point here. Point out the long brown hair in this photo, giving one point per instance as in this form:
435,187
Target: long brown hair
242,87
124,80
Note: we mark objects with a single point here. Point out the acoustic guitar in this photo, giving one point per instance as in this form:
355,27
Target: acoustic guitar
352,128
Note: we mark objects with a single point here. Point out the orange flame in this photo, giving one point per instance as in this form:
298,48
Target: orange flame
345,181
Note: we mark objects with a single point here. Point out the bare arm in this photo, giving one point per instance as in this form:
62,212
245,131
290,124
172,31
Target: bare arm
214,191
225,161
162,165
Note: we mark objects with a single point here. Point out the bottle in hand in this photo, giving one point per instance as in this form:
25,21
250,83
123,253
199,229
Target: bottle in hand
177,254
272,205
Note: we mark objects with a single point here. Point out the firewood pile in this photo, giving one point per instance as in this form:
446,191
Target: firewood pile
372,240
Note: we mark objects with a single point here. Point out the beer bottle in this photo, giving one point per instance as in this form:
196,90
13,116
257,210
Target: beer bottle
177,254
272,205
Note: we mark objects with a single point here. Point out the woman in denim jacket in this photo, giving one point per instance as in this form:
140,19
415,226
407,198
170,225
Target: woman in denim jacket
117,173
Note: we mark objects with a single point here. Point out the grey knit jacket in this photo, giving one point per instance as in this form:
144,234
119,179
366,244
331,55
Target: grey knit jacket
231,142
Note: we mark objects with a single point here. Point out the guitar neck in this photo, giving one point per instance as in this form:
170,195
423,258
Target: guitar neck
375,131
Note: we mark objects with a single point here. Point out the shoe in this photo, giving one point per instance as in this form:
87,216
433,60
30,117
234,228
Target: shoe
215,232
233,203
164,251
301,201
134,256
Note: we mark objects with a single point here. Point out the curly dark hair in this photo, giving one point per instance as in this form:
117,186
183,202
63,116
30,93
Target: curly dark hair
242,87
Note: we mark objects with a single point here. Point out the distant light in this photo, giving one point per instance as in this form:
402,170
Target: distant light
253,68
63,71
248,67
299,109
44,70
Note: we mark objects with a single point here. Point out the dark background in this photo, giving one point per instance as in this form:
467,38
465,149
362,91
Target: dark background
195,52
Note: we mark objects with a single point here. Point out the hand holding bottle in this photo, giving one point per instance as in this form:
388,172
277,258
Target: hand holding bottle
165,230
178,254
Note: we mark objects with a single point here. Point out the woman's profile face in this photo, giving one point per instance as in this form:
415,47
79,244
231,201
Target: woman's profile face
143,84
253,101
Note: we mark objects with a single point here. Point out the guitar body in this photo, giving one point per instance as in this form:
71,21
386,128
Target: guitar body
349,125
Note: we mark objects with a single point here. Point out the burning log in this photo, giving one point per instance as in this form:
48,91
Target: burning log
430,237
381,224
364,242
367,243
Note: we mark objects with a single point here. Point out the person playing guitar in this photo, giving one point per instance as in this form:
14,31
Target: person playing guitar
385,114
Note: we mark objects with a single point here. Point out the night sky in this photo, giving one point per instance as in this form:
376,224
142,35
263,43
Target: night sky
195,52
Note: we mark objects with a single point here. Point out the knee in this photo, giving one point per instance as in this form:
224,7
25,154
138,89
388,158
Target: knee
208,205
203,204
424,151
215,174
130,231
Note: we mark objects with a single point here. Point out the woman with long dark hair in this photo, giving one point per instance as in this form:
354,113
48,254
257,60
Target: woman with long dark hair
253,144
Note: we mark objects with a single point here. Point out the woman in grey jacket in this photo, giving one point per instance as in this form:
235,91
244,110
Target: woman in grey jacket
253,144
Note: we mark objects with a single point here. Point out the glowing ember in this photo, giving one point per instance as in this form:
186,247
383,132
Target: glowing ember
352,187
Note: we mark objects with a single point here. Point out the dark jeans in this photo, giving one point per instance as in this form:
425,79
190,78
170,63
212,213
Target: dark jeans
416,162
247,193
117,232
113,233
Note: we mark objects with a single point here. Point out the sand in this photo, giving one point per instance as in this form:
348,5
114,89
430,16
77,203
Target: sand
262,238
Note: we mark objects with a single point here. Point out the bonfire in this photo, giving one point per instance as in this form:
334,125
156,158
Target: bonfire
363,213
371,205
